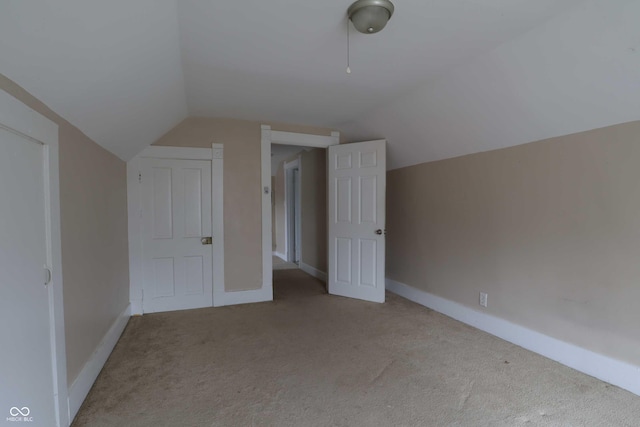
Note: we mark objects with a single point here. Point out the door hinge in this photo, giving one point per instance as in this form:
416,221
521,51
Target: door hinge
139,177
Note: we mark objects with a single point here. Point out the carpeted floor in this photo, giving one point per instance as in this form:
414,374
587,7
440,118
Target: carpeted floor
280,264
310,359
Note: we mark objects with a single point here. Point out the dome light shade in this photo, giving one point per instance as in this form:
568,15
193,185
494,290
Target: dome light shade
370,16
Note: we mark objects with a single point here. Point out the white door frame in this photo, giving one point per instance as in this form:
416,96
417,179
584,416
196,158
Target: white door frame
16,117
286,138
134,200
288,195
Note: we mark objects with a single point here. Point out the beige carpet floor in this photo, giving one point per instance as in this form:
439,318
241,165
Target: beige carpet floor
280,264
310,359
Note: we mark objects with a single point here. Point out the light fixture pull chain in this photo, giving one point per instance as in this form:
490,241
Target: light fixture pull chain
348,68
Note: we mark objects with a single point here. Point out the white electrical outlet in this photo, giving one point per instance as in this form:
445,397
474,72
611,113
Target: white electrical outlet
483,299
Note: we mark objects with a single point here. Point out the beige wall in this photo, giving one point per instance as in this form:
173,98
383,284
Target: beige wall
314,208
242,188
93,208
551,230
279,209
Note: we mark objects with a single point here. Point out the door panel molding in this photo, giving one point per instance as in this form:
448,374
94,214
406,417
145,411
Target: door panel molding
356,220
215,154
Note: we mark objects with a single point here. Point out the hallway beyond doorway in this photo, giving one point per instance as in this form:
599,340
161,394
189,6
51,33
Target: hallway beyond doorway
280,264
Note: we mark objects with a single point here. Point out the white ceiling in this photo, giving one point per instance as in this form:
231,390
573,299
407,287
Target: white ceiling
446,77
111,68
578,71
286,61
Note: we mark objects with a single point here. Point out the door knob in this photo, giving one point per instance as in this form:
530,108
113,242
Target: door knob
378,232
206,240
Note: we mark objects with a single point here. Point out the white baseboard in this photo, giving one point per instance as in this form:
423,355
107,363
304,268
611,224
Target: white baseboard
80,388
280,255
313,271
616,372
136,308
243,297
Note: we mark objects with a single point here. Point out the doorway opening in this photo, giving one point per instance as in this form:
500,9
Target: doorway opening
355,182
299,209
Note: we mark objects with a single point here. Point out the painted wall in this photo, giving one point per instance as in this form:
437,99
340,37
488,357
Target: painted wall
314,208
93,209
550,229
242,192
279,210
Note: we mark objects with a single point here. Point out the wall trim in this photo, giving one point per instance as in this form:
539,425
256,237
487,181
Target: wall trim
312,271
244,297
280,255
267,226
185,153
613,371
17,117
217,219
82,384
304,139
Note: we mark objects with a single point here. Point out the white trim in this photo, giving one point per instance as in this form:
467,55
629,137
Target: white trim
244,297
616,372
134,208
280,255
83,383
304,139
268,137
15,116
185,153
265,190
217,219
298,201
312,271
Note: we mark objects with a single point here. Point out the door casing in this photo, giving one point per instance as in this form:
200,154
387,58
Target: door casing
16,117
286,138
134,199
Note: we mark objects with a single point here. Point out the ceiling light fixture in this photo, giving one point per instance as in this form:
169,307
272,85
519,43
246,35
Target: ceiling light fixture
369,17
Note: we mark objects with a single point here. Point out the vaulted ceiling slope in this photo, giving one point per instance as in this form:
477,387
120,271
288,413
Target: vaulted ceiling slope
111,68
578,71
446,77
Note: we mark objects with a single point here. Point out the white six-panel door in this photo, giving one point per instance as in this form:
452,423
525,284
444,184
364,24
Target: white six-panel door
176,216
356,192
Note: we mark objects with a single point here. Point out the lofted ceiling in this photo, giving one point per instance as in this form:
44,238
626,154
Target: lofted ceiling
445,78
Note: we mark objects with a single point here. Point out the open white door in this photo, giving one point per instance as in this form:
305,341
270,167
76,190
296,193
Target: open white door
356,188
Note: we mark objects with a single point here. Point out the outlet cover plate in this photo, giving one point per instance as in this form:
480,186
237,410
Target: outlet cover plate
483,299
